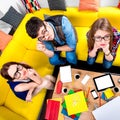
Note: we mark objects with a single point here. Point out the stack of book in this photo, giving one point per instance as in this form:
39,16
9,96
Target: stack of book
74,104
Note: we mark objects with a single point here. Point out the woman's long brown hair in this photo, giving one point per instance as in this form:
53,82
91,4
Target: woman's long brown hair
5,67
99,24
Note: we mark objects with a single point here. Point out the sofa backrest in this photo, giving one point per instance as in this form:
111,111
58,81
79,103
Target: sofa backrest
84,18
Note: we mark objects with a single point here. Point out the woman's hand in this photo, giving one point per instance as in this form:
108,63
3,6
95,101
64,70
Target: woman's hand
92,53
96,47
33,75
106,49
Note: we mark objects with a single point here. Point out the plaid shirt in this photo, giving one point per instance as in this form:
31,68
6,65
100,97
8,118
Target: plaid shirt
116,41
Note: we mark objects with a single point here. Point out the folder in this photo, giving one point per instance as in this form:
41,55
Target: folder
52,110
108,111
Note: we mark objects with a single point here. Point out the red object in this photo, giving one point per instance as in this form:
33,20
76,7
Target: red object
52,110
118,5
59,87
72,116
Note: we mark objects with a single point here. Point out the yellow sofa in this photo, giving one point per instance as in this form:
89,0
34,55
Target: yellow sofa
22,49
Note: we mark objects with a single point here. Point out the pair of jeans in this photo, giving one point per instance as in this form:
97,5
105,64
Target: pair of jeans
70,57
106,64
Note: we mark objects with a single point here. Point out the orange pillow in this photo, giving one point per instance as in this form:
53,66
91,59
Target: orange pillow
118,4
4,40
89,5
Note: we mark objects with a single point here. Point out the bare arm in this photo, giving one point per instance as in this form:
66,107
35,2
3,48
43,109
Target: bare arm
29,95
25,86
63,48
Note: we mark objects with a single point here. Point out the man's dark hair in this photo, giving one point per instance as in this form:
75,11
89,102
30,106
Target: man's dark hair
33,25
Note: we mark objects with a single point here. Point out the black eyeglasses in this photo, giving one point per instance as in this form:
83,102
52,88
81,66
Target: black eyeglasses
17,74
44,32
99,38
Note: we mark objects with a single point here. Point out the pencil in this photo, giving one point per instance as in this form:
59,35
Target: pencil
99,99
88,91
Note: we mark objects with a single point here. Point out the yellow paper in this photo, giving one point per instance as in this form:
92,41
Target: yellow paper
75,103
108,93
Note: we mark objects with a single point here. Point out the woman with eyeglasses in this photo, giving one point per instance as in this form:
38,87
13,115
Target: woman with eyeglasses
24,81
102,37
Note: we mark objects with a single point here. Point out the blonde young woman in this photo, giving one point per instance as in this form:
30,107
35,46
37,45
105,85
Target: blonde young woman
102,37
24,81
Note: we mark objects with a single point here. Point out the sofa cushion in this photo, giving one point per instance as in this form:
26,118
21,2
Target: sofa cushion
31,5
12,17
3,25
6,114
89,5
5,90
57,4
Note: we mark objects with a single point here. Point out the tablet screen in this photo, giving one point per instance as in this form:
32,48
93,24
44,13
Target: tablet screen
104,81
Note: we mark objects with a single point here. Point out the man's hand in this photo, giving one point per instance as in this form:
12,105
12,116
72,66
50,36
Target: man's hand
41,46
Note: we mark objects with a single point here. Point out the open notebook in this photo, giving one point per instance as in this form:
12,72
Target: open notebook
108,111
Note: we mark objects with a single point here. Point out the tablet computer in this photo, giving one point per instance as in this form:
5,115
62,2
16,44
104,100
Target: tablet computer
103,82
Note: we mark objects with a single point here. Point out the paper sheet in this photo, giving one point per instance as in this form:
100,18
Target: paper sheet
85,79
65,74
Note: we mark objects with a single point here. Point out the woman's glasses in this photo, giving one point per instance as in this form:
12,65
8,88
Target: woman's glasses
17,74
99,38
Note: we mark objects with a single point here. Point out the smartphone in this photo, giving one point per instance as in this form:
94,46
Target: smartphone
94,94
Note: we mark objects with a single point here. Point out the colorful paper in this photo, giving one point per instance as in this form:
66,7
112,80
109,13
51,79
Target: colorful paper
76,103
108,93
52,110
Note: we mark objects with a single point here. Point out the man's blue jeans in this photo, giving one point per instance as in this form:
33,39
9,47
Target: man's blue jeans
57,60
106,64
